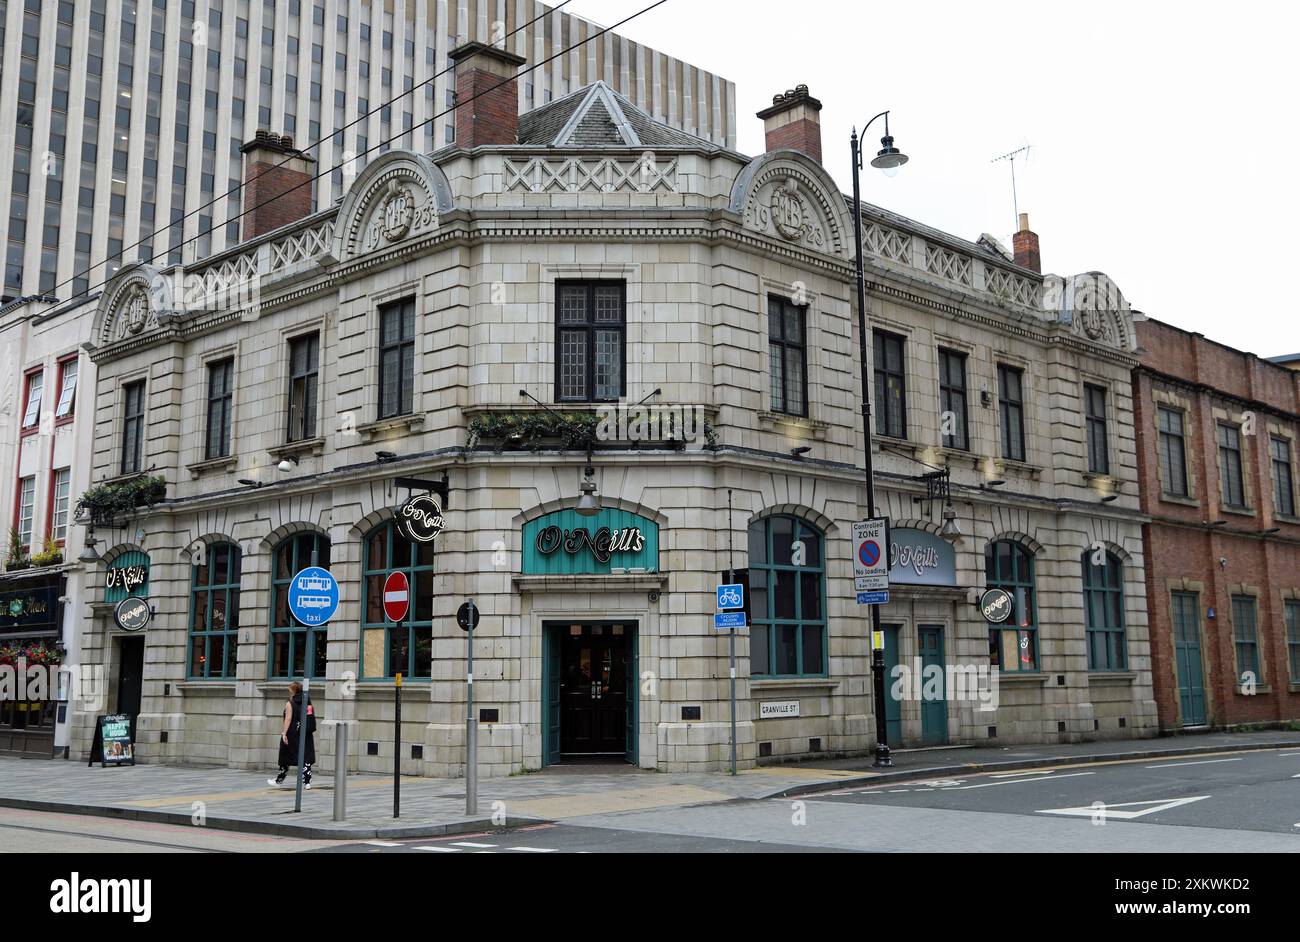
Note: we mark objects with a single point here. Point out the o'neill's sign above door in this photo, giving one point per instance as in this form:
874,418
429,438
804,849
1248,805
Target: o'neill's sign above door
566,543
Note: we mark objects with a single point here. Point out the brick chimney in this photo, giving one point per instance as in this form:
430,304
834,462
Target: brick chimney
1025,245
273,170
487,95
792,123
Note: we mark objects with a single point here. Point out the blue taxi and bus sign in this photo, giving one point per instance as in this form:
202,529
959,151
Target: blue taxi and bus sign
313,596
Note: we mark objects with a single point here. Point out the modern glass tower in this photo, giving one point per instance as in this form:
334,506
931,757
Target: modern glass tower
118,117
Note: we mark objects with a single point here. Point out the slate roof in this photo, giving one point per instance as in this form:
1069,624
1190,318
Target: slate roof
598,116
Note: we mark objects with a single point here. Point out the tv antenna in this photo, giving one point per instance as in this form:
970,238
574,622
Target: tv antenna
1011,159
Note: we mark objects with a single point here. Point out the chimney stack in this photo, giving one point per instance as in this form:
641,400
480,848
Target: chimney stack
277,183
792,123
1025,245
487,95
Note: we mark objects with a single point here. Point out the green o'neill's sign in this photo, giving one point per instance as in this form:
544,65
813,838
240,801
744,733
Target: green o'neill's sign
566,543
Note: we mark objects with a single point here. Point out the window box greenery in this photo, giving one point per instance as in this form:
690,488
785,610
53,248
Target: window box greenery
116,498
16,559
569,431
50,554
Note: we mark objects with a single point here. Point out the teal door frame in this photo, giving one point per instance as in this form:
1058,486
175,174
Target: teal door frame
893,708
934,710
1185,624
552,641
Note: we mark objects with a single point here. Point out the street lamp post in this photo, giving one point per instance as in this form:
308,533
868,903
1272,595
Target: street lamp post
888,159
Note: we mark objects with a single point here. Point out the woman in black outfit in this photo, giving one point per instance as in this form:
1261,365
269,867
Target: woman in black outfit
289,738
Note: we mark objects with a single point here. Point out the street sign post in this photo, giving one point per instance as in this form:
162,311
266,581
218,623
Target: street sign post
731,596
397,596
871,559
313,596
468,622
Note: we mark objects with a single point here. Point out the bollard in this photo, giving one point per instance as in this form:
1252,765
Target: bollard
340,771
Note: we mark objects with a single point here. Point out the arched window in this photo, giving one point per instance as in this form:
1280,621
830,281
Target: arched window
296,650
214,613
1013,645
406,647
1103,607
787,598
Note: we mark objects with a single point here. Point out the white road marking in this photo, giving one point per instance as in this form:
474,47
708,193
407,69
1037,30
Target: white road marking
383,844
441,850
534,850
1170,765
895,791
1108,811
1014,774
1017,781
470,844
1283,755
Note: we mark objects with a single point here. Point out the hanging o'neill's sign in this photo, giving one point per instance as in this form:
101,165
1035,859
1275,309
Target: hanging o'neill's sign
132,613
996,606
565,543
420,518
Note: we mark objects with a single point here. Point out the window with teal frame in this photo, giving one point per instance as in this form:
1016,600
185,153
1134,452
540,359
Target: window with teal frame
1103,611
295,647
406,647
214,613
787,599
1013,645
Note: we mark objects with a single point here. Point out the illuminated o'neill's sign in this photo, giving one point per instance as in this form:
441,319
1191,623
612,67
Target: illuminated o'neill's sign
603,544
565,543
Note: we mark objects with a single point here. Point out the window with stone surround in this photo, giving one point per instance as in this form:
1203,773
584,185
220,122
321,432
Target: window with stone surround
296,650
1103,608
1094,398
132,427
406,647
952,399
214,613
1013,645
787,356
220,396
1245,641
590,341
1172,446
1231,486
304,355
787,598
396,358
1291,609
26,508
891,384
1011,411
32,408
1283,482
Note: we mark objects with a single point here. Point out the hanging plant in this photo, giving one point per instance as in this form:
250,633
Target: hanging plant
531,430
33,652
16,559
50,554
106,501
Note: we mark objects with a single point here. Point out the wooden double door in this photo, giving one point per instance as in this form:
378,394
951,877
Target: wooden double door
591,690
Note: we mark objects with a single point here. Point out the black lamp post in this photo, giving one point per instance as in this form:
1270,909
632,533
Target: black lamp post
889,159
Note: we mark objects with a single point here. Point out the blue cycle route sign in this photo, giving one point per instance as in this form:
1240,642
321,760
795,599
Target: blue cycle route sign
731,596
313,596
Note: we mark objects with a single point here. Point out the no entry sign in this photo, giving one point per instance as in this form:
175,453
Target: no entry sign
397,596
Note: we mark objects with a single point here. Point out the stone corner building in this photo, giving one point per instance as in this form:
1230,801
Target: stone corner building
589,257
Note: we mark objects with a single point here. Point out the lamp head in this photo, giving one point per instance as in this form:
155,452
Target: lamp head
588,503
889,158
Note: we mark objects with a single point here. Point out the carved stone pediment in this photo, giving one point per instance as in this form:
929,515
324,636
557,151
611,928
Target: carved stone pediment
131,305
786,195
1093,307
398,196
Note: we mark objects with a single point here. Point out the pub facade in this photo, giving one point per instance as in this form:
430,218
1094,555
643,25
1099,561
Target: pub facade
624,359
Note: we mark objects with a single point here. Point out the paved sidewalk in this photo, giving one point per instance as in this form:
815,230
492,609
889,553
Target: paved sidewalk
238,800
947,760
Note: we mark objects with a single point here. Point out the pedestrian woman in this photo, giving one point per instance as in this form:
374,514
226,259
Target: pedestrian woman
289,732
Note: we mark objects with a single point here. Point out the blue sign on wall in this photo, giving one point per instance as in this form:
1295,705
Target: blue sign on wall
313,596
729,620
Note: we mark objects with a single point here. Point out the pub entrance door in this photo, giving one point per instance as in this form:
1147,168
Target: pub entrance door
591,691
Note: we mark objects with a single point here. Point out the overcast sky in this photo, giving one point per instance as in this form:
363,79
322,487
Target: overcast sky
1163,136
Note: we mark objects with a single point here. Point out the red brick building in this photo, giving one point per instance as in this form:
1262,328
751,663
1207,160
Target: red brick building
1217,434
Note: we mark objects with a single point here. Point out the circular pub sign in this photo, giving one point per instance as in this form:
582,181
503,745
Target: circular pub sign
397,596
420,518
132,613
996,606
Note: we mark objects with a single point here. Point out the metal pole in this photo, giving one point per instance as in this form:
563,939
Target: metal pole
340,771
302,738
471,727
731,640
397,748
877,653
